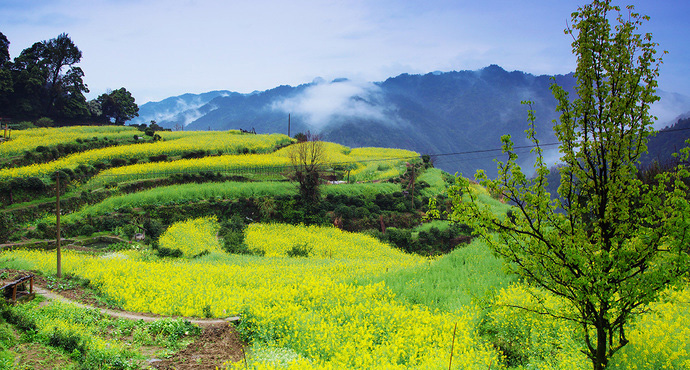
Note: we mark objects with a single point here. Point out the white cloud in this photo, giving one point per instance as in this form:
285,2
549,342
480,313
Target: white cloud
324,103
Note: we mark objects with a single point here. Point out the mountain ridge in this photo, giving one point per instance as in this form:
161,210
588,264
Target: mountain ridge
433,113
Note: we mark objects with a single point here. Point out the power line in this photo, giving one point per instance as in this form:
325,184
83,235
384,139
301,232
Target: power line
490,150
530,146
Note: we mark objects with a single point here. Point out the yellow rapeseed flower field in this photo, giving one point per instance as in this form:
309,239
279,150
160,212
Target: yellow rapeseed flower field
225,142
23,140
277,239
192,237
326,311
316,306
221,163
366,164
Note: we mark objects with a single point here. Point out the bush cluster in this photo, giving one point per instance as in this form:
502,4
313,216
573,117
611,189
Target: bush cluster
22,189
195,154
352,213
432,242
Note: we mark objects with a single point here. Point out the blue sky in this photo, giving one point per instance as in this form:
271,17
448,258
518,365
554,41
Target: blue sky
162,48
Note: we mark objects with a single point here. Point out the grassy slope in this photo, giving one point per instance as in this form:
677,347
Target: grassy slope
225,190
466,276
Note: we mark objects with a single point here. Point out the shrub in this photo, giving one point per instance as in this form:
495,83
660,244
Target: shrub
195,154
30,184
343,211
67,341
5,229
45,230
25,125
29,156
66,175
118,162
233,242
45,122
158,158
100,165
87,230
401,238
154,228
167,252
84,172
299,250
111,222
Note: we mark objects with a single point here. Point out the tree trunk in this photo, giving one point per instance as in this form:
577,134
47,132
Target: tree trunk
601,359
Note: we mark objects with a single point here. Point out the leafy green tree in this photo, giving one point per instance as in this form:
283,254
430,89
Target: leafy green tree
70,101
4,49
5,74
94,108
29,78
118,106
64,90
619,242
39,86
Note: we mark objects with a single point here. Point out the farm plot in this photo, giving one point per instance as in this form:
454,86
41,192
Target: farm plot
225,190
365,164
319,307
344,309
223,142
23,140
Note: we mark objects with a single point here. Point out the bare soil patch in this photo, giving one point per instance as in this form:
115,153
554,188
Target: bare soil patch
216,345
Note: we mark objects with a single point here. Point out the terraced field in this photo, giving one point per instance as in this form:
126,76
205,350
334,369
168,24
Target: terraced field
222,231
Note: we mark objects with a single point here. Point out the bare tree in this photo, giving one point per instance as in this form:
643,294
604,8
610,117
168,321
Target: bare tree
307,159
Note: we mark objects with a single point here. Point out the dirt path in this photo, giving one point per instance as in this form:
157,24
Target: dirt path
218,343
131,315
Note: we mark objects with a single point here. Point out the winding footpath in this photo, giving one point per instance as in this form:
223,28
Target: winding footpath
131,315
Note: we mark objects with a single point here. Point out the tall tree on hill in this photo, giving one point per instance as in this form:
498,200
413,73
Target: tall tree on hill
59,53
5,75
29,78
620,242
40,88
118,106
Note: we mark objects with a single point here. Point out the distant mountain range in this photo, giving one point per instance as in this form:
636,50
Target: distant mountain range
455,115
667,141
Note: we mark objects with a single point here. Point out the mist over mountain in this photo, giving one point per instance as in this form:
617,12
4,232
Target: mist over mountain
462,112
178,110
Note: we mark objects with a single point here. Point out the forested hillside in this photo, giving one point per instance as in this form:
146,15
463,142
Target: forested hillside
431,114
669,140
434,113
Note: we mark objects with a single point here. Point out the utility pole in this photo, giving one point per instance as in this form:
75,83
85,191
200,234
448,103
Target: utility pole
413,181
57,215
288,124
